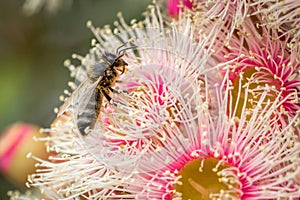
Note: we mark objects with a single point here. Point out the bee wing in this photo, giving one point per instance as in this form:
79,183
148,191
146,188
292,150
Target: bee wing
82,93
85,98
88,110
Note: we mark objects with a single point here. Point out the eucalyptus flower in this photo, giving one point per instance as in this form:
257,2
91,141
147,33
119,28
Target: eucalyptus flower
175,127
160,94
281,15
230,15
225,158
259,62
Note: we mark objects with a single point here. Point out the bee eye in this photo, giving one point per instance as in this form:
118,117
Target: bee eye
117,63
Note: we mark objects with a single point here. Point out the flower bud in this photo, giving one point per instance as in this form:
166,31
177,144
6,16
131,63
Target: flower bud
16,145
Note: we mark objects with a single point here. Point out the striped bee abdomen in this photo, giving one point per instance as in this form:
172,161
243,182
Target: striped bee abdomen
88,116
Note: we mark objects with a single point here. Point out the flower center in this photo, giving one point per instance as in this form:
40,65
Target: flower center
203,180
249,87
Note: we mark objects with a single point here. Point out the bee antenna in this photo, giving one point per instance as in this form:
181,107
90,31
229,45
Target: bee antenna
119,51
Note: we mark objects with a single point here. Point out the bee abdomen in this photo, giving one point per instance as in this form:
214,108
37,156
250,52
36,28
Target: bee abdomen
88,117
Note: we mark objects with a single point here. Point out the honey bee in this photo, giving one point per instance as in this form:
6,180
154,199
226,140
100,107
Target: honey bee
87,98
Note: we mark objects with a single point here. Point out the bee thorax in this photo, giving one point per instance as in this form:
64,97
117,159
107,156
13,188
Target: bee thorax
97,70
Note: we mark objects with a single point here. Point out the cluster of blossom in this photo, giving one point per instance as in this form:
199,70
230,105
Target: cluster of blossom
211,108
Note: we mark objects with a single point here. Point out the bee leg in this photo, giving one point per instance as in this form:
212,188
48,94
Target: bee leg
118,91
109,99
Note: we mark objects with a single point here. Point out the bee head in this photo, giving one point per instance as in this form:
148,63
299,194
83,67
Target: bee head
120,64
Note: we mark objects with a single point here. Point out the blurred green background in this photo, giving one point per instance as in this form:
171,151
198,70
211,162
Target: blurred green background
33,49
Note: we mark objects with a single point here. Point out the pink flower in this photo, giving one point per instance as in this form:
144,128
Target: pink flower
163,93
174,131
224,158
259,62
16,143
230,15
227,15
282,16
